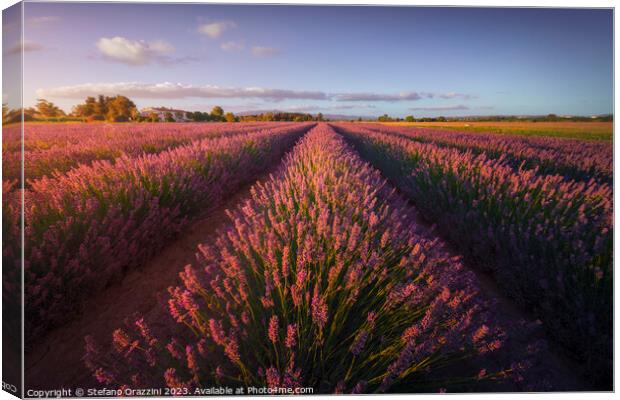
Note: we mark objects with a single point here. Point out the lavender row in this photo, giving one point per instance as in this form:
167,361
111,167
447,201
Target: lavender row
86,227
574,159
44,136
548,241
11,259
54,149
320,280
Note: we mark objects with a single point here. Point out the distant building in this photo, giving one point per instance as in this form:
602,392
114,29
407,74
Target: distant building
163,112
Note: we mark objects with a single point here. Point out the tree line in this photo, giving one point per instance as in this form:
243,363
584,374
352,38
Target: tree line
102,108
281,116
498,118
110,109
122,109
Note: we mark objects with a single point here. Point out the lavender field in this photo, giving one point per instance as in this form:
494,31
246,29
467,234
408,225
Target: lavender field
341,257
204,199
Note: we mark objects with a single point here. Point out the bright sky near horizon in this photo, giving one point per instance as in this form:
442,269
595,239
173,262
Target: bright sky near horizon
331,59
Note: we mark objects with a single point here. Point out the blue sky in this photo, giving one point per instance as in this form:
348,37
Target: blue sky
335,60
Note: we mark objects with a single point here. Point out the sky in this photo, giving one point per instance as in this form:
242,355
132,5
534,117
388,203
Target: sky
347,60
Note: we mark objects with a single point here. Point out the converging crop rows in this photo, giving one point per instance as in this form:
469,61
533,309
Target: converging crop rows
353,268
547,238
320,280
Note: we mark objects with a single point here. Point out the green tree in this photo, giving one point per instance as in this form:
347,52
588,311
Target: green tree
101,107
117,109
198,116
47,109
409,118
217,113
120,109
552,117
88,108
169,117
230,117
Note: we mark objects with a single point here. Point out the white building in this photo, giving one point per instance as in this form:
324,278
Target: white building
162,113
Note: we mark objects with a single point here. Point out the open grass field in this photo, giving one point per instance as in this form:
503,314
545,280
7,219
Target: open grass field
575,130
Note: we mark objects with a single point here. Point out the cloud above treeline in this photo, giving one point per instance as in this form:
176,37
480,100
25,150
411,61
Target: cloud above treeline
378,96
169,90
403,96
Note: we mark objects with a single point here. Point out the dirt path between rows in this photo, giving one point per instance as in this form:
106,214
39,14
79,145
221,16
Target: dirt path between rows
56,361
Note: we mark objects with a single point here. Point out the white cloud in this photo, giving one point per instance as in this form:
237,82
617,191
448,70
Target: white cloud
453,95
261,51
403,96
134,52
215,29
27,46
169,90
379,96
352,106
232,46
160,46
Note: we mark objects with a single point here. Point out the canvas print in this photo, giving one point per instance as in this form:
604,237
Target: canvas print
208,199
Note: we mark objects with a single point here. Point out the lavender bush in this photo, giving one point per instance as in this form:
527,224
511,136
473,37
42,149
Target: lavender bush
86,227
54,149
574,159
548,240
319,280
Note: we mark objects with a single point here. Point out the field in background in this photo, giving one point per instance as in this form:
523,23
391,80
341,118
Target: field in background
577,130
